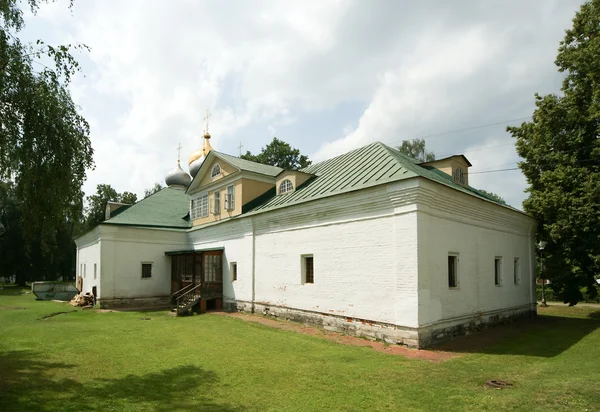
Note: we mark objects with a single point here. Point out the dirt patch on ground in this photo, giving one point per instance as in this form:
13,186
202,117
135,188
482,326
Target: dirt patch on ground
11,308
430,355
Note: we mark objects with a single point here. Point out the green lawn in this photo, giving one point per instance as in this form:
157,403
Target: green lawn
86,360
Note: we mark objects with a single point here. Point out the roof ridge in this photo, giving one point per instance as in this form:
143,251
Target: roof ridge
218,154
351,152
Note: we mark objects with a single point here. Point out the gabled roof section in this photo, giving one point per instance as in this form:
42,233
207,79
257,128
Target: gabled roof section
167,208
368,166
237,163
248,165
361,168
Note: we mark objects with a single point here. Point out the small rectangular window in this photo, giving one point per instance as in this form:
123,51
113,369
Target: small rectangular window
452,271
95,272
84,270
230,198
498,271
199,207
217,203
233,270
146,270
517,271
308,275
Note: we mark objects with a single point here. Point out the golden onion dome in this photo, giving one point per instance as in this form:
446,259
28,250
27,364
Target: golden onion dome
197,158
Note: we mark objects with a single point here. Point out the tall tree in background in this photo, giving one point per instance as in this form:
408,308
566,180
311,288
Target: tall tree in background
44,142
561,148
96,204
156,188
494,196
281,154
416,149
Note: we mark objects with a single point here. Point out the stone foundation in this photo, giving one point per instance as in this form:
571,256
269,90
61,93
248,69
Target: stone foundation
116,303
448,329
351,326
395,334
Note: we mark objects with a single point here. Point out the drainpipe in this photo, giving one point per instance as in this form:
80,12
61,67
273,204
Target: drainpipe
253,263
532,266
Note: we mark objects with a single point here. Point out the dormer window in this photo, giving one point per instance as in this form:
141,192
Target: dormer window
215,171
286,186
459,176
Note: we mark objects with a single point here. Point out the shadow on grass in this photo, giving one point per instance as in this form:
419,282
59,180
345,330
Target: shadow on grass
544,336
28,382
13,290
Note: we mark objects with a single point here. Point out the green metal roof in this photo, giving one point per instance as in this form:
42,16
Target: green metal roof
166,208
248,165
368,166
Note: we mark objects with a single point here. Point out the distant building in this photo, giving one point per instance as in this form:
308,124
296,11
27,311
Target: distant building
369,243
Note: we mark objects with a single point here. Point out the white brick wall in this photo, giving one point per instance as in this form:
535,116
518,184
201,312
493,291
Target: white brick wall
380,254
442,232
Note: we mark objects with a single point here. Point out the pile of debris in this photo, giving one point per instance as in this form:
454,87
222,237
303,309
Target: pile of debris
83,299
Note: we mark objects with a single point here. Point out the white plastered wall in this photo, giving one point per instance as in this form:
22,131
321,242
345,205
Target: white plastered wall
124,249
477,232
235,237
88,255
365,258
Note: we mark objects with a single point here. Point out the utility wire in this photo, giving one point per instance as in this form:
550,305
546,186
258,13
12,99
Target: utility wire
472,128
493,171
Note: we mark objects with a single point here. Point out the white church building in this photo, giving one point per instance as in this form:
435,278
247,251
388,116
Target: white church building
370,243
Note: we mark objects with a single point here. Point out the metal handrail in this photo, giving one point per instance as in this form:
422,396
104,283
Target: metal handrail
188,296
182,290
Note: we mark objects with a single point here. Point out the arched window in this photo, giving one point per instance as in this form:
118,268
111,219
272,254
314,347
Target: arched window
216,170
286,186
459,176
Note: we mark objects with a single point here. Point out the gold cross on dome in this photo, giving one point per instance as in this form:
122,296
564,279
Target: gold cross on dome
206,121
179,153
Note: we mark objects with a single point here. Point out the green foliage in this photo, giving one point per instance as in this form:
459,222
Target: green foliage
44,142
561,149
95,210
54,261
281,154
586,294
494,196
156,188
416,149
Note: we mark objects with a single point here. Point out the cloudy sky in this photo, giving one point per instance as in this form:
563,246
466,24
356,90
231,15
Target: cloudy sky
326,76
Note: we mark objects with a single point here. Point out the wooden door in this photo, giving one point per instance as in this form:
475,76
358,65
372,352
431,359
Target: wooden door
212,273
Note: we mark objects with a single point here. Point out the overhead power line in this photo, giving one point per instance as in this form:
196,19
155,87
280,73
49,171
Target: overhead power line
473,128
493,171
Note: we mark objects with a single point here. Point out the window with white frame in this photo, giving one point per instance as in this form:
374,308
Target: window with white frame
216,203
215,171
498,271
308,269
285,186
230,198
452,271
517,271
199,207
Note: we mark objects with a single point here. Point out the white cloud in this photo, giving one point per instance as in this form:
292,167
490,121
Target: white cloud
418,68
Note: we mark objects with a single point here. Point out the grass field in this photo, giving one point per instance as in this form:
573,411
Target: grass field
93,361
